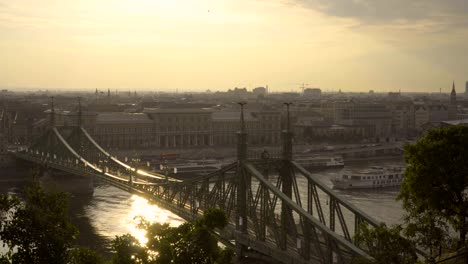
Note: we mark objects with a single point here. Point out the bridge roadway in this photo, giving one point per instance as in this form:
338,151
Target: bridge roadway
269,217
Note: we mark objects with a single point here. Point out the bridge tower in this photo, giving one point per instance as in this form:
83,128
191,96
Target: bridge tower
78,123
241,223
286,174
52,113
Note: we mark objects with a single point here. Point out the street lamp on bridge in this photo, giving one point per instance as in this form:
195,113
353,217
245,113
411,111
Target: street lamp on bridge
166,168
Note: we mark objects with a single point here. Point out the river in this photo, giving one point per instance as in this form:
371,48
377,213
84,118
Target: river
107,211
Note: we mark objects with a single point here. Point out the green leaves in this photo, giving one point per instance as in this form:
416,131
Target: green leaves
38,228
128,250
385,245
436,179
84,256
187,243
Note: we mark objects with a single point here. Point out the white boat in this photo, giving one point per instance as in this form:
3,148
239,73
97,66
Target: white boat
189,169
320,162
375,177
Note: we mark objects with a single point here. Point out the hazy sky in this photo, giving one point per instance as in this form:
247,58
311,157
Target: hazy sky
353,45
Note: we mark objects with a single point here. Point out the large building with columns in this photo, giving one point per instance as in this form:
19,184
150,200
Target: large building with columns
175,128
181,127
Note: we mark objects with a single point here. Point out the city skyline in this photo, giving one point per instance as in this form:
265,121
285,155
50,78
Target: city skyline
167,45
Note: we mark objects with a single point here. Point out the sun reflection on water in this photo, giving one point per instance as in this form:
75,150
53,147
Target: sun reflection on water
140,207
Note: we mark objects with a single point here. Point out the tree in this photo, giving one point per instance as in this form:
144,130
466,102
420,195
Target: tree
385,245
428,231
37,230
84,256
191,242
436,179
128,250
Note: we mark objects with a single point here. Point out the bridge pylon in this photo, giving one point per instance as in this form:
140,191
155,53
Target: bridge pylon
52,113
241,223
286,175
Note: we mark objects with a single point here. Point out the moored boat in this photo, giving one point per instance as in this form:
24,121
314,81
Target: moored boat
189,169
315,163
374,177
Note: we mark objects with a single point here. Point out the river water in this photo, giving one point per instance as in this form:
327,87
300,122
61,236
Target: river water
107,211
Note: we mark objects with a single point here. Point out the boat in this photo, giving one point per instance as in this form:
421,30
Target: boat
374,177
189,169
320,162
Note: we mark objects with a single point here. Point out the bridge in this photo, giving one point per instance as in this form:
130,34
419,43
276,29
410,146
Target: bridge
277,210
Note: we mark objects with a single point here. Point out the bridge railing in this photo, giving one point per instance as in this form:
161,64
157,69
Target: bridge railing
335,203
277,218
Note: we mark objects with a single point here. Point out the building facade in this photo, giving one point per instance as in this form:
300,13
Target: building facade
170,128
263,127
181,127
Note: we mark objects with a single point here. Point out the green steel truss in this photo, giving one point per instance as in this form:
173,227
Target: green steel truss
277,209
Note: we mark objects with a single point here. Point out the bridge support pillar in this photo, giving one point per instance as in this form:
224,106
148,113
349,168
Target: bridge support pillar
286,174
242,220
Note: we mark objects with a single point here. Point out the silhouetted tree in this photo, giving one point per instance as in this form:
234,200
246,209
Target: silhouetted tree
37,230
385,245
436,180
191,242
84,256
128,250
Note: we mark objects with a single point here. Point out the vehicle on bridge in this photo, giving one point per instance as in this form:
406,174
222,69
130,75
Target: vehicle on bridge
375,177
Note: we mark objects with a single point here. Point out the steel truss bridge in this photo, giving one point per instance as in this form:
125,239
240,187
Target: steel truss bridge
277,210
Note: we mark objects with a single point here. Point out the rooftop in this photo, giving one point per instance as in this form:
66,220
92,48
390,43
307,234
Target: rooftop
120,117
177,110
230,116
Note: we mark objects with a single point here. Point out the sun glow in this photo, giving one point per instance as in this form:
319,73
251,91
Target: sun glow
140,208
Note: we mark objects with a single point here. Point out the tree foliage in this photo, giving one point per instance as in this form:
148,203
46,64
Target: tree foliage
84,256
436,179
385,245
188,243
37,230
427,230
128,250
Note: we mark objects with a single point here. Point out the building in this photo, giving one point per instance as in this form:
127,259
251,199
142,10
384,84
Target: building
263,127
431,125
260,91
123,130
466,88
313,92
375,118
438,112
359,119
163,128
421,116
182,127
403,118
452,108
